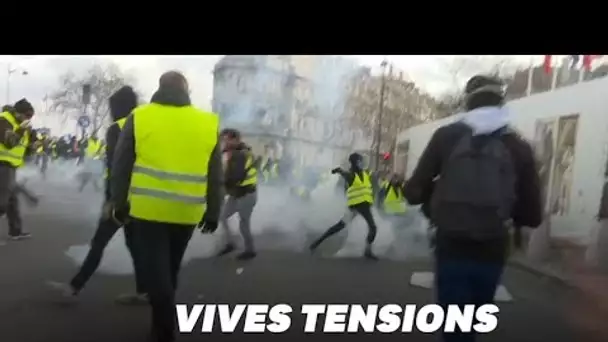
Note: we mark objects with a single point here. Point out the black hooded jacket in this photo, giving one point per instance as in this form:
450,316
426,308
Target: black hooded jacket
527,211
124,160
122,103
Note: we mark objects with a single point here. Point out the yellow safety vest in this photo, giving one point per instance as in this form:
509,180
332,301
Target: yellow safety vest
173,147
394,202
14,156
93,148
272,173
252,173
360,191
121,124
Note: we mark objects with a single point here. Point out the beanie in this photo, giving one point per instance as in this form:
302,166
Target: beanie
24,107
484,84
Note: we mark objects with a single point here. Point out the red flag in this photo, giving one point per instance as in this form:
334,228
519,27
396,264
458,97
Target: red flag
587,60
547,64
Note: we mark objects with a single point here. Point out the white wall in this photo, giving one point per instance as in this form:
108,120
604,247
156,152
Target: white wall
590,101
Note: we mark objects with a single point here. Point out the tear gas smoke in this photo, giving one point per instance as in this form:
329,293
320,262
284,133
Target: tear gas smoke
256,104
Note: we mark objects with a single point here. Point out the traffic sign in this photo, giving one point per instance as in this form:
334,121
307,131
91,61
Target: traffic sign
84,121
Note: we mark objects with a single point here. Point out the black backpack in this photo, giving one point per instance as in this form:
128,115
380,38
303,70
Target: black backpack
475,193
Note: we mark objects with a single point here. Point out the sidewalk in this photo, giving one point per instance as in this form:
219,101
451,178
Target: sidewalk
551,269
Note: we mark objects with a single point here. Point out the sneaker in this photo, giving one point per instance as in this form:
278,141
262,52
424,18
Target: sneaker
21,236
246,255
133,299
313,247
229,248
369,255
66,291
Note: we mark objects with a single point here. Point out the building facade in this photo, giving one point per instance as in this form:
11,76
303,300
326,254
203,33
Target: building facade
292,103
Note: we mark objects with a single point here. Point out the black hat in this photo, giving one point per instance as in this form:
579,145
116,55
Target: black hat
484,84
355,158
24,107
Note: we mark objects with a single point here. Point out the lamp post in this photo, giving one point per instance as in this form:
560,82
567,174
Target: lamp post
380,112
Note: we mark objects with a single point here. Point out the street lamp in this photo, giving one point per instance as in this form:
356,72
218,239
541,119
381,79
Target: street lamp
380,112
9,72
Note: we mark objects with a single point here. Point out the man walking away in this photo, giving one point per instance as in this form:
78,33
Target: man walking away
241,185
487,177
15,138
167,163
360,198
122,103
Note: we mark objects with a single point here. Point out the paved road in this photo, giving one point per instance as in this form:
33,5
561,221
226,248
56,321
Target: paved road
29,312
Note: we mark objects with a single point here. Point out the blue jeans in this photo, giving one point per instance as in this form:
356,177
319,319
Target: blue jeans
463,281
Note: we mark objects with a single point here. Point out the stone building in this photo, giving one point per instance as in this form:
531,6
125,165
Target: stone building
284,101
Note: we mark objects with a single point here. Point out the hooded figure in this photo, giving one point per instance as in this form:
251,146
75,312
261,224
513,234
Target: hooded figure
469,266
122,103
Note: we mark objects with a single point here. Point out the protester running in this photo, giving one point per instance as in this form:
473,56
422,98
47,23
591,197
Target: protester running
166,178
122,103
241,186
474,177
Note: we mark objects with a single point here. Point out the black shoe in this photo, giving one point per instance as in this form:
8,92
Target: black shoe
246,255
229,248
370,256
20,236
313,247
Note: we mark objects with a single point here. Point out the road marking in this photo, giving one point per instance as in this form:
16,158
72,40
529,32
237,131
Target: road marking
426,280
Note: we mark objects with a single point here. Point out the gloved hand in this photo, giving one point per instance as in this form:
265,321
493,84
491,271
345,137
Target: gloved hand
121,215
336,170
207,226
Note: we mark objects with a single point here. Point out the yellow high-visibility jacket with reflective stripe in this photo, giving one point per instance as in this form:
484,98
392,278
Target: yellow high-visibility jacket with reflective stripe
121,124
394,202
173,147
360,191
93,148
14,156
252,172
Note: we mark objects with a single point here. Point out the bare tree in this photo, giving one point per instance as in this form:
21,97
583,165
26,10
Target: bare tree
405,105
460,68
104,81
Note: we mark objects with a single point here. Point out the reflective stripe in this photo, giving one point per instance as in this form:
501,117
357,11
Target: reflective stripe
8,154
168,195
251,173
170,175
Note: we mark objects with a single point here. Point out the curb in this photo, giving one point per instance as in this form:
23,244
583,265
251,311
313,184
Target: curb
524,265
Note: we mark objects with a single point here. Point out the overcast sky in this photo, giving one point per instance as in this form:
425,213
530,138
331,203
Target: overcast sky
429,72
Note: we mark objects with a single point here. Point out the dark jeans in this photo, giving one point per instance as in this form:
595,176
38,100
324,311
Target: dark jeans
9,202
104,233
162,246
365,210
465,281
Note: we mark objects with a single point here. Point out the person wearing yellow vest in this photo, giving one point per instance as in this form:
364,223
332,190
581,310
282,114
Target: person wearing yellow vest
166,179
121,104
15,139
92,169
360,198
241,178
93,147
391,197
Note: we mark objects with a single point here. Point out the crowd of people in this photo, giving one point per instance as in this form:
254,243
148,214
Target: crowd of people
475,180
